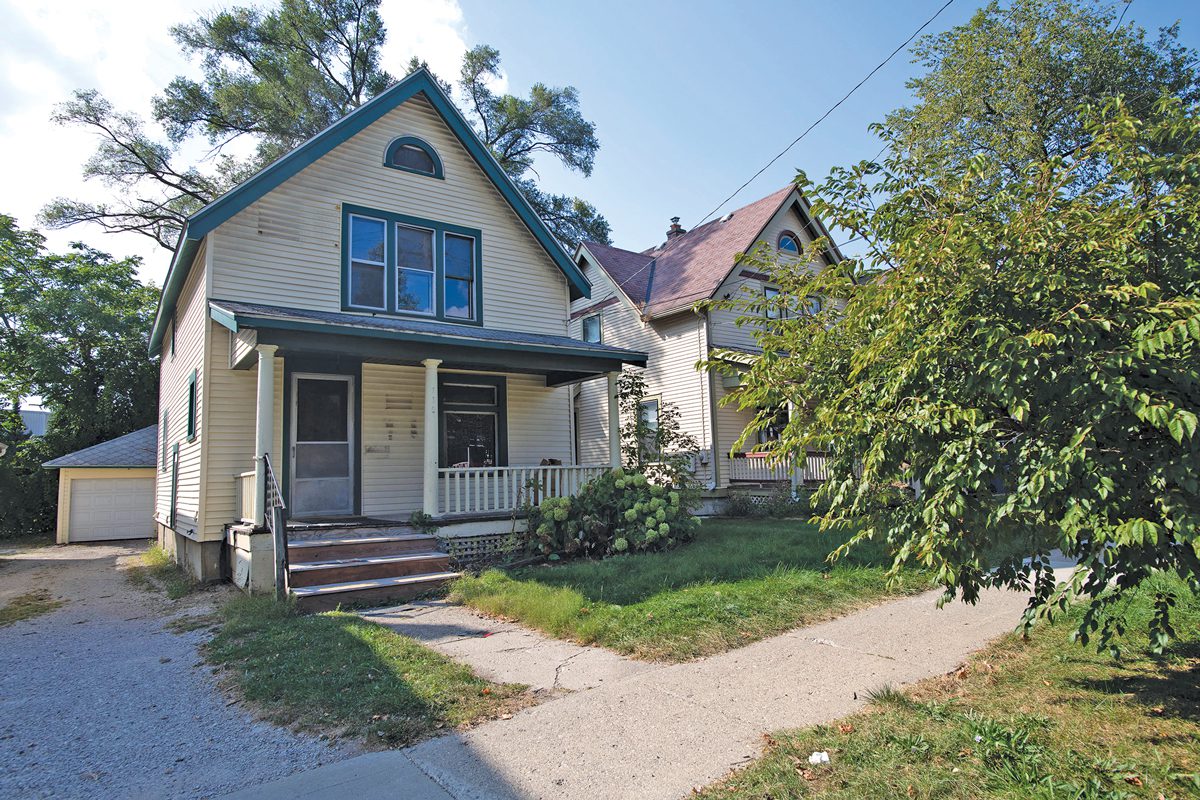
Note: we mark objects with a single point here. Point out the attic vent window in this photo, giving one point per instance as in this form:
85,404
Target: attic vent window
410,154
788,243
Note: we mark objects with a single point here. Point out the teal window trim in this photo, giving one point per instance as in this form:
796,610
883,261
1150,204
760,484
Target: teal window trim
420,144
166,417
193,403
440,230
500,409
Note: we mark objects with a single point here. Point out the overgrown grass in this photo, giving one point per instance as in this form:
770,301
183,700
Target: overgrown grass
739,581
30,604
1041,719
158,572
336,671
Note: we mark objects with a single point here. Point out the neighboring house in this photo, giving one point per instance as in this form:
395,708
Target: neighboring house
383,316
646,301
106,491
35,419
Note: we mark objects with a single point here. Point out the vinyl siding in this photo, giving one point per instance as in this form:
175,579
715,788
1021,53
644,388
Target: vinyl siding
190,324
725,331
674,345
731,421
231,431
393,431
285,249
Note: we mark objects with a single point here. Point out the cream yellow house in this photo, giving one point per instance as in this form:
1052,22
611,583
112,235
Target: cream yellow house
377,324
646,300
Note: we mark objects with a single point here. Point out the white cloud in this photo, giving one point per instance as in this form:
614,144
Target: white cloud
50,48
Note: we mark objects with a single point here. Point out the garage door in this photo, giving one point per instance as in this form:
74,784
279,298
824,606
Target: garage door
111,508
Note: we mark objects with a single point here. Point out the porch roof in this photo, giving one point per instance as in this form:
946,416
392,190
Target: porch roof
389,339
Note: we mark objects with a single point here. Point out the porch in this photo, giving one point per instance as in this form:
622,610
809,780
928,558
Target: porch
761,469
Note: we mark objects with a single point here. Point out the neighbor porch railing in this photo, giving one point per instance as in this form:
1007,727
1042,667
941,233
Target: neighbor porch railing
758,468
477,490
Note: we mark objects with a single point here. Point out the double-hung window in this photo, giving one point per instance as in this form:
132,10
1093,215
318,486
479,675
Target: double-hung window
415,273
772,309
396,264
591,329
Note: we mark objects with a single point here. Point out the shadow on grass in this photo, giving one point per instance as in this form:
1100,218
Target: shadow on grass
338,673
1168,685
724,551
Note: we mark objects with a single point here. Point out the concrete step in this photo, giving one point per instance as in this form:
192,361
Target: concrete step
379,590
334,548
346,570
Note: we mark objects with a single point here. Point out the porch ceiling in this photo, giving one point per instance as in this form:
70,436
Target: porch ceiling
398,340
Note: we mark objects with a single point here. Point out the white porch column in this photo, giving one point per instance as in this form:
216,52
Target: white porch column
264,427
430,478
614,421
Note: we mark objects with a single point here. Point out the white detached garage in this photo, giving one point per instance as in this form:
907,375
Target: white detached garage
106,491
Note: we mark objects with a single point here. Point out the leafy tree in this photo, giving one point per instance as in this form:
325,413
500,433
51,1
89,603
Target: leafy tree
279,77
1029,359
74,329
1008,86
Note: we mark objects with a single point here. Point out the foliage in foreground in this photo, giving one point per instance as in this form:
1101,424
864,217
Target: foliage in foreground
30,604
1023,719
1030,357
73,330
736,583
338,672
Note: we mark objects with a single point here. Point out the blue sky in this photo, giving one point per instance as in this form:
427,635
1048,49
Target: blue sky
689,98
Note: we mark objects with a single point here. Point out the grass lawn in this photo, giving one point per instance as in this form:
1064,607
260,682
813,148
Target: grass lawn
1041,718
739,581
336,671
30,604
158,572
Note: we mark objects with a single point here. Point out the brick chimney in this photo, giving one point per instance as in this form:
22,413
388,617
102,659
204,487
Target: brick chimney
675,229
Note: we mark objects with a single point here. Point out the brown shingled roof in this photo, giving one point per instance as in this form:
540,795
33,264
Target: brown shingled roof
674,275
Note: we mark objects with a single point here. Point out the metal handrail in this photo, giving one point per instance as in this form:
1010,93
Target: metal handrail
275,518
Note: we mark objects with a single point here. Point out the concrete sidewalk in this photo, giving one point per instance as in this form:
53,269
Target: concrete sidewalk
660,730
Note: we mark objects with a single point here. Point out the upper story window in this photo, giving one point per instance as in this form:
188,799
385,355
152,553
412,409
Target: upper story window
398,264
789,243
411,154
771,309
592,331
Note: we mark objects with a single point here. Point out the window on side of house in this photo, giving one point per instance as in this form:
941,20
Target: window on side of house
592,330
163,437
649,412
368,262
415,270
813,305
191,406
473,415
410,154
774,428
771,295
789,243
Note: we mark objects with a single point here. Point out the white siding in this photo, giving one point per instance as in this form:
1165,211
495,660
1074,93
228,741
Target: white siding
393,421
285,249
189,326
731,421
725,331
673,345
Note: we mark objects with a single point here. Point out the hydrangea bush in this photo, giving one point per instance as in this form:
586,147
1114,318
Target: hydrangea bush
619,512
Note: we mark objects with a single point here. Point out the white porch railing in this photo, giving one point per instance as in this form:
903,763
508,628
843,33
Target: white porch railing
244,496
758,468
476,490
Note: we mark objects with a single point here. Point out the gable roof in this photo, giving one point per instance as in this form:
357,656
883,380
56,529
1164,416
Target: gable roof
671,277
137,449
421,82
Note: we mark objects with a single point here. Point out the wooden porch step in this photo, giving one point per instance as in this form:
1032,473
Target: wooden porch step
379,590
344,570
342,547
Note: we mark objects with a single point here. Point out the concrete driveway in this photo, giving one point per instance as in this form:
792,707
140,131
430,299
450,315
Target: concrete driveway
98,699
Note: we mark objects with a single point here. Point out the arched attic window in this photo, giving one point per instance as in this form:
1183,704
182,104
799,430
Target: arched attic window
789,243
411,154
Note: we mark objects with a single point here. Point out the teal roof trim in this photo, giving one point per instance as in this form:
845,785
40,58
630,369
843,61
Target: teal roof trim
227,205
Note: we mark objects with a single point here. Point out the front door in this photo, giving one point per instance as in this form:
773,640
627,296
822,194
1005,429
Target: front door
322,468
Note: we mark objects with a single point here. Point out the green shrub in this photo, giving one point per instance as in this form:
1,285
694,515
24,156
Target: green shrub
741,504
618,512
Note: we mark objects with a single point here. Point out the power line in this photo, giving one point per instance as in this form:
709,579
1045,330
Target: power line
625,281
